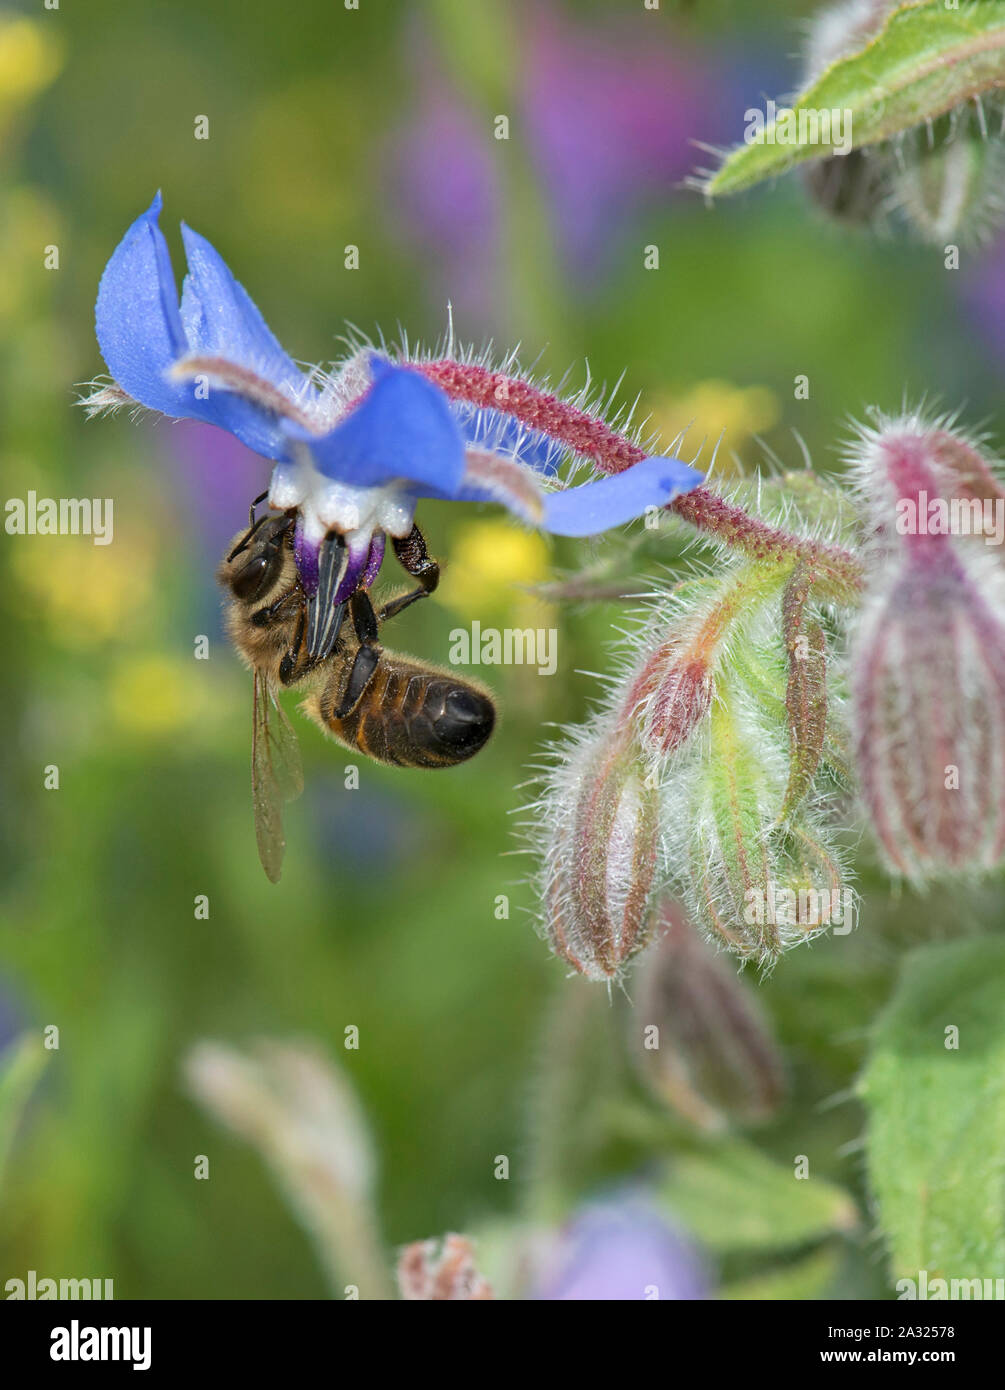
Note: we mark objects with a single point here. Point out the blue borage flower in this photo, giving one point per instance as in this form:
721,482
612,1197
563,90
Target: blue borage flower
356,448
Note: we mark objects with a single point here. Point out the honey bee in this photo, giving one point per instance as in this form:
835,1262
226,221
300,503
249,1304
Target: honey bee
391,707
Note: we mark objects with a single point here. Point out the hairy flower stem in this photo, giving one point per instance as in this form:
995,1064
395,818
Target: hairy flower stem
833,571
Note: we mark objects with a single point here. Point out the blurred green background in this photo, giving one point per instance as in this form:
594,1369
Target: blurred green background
373,128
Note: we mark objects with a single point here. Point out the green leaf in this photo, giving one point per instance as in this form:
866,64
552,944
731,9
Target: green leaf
808,1278
936,1141
734,1198
925,60
21,1065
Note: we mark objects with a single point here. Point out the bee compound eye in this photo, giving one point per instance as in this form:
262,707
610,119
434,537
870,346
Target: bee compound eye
252,578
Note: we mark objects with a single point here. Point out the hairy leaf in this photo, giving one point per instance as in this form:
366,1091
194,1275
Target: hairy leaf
936,1141
735,1198
926,60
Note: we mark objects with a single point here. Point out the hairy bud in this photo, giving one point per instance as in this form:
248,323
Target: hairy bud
702,1043
852,188
949,183
929,659
430,1271
756,884
672,690
679,701
601,817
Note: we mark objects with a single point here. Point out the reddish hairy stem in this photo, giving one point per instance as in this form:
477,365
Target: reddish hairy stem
831,567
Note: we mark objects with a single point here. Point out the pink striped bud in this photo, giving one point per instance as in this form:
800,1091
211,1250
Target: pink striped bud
679,703
929,662
601,816
671,692
702,1043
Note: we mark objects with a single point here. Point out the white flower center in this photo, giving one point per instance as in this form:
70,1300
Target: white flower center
325,504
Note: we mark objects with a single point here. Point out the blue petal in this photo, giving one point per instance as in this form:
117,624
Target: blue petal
142,334
221,319
402,429
500,433
594,507
136,317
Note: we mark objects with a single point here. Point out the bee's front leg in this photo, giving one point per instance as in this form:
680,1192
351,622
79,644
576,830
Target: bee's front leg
415,558
364,620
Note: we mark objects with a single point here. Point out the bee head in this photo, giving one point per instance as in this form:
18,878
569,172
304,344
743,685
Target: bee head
256,561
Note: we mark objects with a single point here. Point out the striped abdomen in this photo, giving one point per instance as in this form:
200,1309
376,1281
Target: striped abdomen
412,716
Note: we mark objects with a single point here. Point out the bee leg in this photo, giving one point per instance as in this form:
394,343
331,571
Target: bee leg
288,665
414,557
265,617
364,620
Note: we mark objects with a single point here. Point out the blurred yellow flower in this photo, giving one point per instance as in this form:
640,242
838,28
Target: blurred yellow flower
489,562
155,694
30,57
716,406
28,223
87,593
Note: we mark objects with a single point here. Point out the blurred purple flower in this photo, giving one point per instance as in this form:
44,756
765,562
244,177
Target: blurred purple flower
443,177
607,114
220,475
622,1249
985,295
611,115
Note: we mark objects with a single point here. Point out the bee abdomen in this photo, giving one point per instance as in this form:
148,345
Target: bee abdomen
415,718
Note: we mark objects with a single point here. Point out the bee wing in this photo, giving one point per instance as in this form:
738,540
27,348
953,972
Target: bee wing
276,774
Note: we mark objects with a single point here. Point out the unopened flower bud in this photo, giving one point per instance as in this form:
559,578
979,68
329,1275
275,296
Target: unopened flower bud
601,815
949,185
702,1043
678,697
671,691
429,1271
930,718
852,188
756,885
929,667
